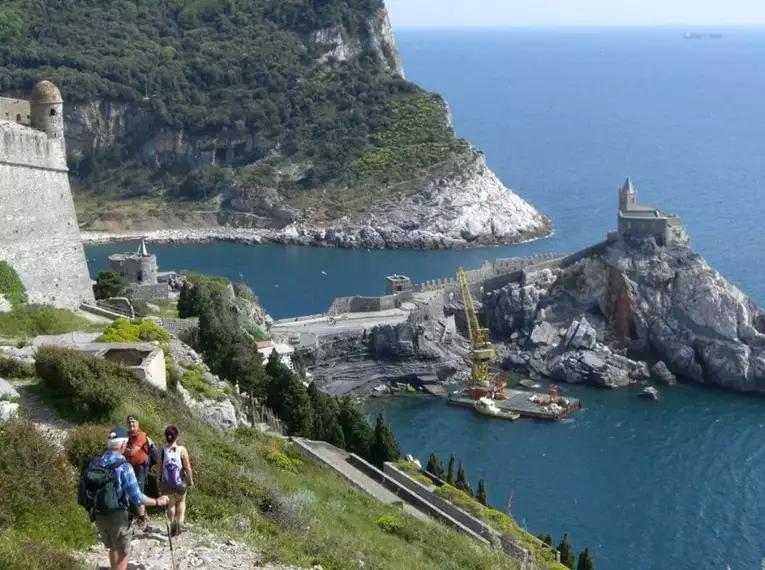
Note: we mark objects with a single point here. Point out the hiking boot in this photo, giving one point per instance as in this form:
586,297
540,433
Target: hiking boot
173,529
181,527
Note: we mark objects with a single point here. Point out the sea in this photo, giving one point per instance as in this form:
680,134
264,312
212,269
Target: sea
564,116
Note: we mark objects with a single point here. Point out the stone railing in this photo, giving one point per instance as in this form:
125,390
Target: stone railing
508,544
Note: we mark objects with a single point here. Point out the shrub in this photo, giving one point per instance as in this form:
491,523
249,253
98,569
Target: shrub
424,479
95,386
389,523
278,507
122,330
84,443
193,380
13,368
11,286
37,503
109,284
283,462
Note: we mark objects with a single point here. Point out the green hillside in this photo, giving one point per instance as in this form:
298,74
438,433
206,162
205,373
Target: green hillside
225,67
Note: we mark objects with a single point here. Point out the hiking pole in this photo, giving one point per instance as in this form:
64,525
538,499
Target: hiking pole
170,538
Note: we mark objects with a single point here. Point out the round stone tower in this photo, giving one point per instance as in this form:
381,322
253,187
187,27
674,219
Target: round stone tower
47,109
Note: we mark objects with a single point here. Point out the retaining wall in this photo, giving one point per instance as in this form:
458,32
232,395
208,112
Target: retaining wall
413,498
157,292
178,327
477,526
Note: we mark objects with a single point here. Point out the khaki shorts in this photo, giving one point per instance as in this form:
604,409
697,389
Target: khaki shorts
116,531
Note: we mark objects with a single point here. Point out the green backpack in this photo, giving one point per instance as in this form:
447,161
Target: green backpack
97,491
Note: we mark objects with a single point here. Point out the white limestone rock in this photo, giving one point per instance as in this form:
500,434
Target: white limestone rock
7,391
8,410
221,415
5,304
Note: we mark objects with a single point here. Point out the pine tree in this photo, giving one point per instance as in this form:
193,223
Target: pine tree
462,483
450,472
384,445
481,494
567,557
547,539
585,562
436,465
357,432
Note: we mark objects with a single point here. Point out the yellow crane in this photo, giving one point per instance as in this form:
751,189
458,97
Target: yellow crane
481,349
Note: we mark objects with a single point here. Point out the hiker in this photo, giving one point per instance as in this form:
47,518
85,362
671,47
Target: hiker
140,451
175,478
108,488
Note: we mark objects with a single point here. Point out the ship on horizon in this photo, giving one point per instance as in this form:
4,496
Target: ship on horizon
702,36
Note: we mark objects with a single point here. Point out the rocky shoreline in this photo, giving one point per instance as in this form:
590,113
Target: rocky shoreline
470,209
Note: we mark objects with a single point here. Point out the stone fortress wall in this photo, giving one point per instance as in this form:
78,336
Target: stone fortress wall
39,234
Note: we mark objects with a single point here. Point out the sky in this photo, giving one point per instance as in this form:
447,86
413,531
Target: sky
504,13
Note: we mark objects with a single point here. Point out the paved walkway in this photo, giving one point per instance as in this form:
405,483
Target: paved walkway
338,459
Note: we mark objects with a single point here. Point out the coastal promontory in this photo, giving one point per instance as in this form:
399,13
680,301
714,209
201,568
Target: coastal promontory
290,122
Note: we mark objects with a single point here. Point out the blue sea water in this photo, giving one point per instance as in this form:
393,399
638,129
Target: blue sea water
563,117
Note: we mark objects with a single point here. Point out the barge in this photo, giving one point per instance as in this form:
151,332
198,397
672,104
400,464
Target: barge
525,404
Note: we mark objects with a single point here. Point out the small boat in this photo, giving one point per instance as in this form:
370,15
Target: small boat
487,407
323,272
530,384
650,393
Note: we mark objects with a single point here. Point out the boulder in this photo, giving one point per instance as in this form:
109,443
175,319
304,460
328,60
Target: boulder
7,391
581,334
545,334
219,414
8,410
662,374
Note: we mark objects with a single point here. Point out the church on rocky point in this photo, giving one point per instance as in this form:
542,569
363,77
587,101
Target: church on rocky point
635,219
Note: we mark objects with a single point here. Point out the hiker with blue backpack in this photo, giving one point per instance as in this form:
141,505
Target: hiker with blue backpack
175,478
108,489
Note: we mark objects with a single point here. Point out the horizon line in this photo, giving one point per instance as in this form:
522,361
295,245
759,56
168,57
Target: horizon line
709,28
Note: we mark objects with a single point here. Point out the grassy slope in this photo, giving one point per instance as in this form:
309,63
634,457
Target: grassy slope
315,517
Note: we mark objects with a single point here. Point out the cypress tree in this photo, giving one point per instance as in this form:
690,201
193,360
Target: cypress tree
462,483
450,472
481,494
585,562
384,445
288,398
357,432
436,465
567,556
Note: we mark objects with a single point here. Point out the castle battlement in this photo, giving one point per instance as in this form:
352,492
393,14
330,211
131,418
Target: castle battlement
24,146
39,234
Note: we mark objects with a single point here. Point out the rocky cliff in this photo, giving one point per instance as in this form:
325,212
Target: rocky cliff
354,363
366,171
629,311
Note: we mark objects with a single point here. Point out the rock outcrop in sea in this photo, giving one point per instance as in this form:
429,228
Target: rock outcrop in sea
628,312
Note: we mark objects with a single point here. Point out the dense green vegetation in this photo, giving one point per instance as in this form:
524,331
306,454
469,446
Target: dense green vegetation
230,68
123,330
249,486
11,286
109,284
